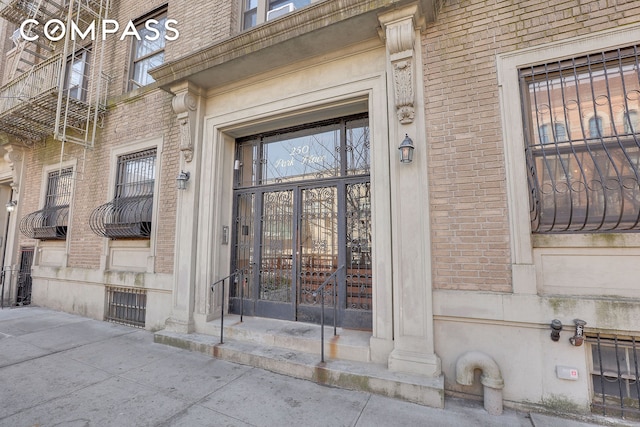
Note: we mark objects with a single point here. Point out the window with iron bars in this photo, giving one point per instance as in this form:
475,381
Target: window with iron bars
129,214
50,223
127,306
615,375
582,139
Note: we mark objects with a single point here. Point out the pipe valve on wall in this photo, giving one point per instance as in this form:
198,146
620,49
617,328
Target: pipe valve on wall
578,338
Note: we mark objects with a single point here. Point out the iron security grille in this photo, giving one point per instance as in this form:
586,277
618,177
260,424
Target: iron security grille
616,376
127,306
51,222
129,214
582,135
23,296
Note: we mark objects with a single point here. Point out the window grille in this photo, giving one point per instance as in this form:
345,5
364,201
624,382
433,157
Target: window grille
50,223
582,142
127,306
615,376
129,214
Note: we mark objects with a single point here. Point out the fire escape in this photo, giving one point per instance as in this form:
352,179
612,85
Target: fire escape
55,88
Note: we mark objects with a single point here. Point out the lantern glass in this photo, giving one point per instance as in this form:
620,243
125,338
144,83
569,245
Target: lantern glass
406,150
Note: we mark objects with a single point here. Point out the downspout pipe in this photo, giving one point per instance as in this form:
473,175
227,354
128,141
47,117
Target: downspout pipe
491,378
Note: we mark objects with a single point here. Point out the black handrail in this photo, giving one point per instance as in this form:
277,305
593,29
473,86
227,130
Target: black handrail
321,291
235,273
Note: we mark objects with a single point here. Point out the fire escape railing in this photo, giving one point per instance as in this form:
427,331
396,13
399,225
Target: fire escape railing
43,78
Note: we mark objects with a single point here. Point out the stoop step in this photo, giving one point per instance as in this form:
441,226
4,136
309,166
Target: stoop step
293,349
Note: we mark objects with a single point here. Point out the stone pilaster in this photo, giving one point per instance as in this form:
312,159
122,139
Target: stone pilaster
413,345
187,106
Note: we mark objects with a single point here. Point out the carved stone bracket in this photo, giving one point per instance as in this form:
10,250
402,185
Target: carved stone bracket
14,157
399,35
184,105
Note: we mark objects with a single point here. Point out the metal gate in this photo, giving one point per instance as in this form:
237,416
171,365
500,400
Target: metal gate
23,295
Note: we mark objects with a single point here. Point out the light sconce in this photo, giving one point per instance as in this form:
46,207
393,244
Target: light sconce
182,179
11,206
406,150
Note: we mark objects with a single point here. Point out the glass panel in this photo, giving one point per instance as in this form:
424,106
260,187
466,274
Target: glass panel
318,241
144,46
307,156
296,3
250,19
359,273
276,246
77,76
358,145
141,76
248,158
245,205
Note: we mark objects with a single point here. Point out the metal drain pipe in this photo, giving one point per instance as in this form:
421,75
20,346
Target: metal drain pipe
491,378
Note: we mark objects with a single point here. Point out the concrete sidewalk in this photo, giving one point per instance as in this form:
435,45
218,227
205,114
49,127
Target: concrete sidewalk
58,369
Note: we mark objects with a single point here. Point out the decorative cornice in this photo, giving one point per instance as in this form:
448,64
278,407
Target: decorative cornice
320,27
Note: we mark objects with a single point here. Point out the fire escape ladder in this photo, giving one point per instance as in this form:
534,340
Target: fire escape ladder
82,87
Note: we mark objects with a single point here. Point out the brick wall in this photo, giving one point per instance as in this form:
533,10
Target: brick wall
464,137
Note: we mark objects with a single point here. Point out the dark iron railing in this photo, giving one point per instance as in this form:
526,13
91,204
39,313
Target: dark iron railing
321,290
237,274
125,217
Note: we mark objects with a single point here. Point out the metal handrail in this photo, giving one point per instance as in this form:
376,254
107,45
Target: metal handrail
320,289
235,273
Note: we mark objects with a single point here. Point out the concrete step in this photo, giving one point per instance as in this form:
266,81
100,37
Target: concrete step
348,344
293,349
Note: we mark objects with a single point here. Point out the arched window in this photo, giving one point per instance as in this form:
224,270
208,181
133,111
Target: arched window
543,134
560,132
631,122
595,127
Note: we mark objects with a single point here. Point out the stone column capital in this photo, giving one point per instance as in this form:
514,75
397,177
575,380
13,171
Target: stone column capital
398,32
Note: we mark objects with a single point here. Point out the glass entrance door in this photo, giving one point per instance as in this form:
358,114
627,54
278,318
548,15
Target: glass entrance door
302,210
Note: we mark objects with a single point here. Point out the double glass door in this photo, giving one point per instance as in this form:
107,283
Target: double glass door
291,234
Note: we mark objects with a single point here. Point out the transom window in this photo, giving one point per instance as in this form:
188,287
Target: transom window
148,54
584,171
256,12
313,152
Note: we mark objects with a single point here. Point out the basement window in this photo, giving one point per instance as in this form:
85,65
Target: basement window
615,376
126,306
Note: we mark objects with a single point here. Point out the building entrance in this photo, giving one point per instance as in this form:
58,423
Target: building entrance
303,210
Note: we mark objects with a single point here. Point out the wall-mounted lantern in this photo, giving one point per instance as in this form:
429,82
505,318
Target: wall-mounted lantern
406,150
11,205
182,179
